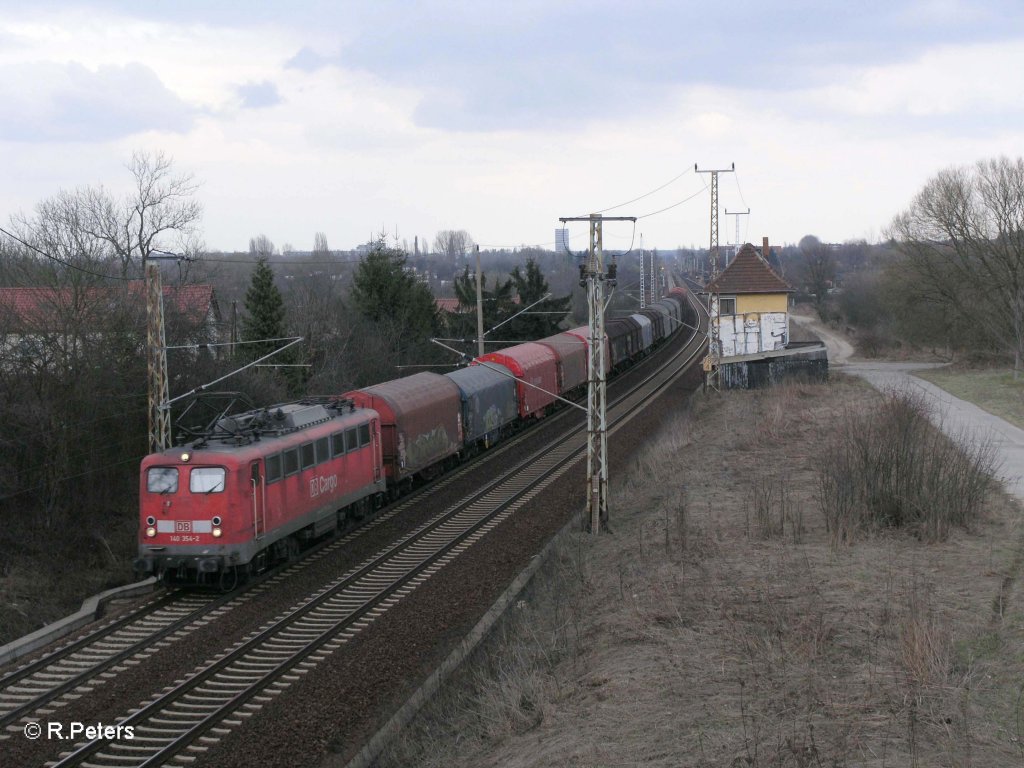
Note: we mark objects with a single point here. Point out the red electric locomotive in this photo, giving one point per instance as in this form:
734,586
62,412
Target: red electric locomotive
257,487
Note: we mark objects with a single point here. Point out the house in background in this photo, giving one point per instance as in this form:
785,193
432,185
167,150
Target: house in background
39,324
752,312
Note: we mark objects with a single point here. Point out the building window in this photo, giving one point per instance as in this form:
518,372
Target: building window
727,306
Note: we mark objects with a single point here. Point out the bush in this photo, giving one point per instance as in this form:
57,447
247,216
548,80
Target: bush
891,468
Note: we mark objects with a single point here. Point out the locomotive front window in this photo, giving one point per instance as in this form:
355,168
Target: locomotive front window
273,468
206,480
323,451
338,443
162,480
364,434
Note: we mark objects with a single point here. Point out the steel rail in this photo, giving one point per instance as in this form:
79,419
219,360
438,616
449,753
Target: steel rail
262,663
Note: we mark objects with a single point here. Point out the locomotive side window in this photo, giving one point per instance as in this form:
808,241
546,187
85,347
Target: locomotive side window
338,443
162,480
364,434
273,468
291,461
351,439
323,450
206,480
308,456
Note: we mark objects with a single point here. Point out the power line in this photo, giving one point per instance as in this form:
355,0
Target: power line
296,262
646,194
71,477
736,176
67,264
675,205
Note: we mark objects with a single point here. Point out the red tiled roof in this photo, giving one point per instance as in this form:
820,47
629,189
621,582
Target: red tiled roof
38,305
448,305
748,272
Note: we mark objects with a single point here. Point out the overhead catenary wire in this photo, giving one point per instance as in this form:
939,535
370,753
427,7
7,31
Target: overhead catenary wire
646,194
64,263
675,205
739,189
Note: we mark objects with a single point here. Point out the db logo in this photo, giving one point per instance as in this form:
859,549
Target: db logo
319,485
183,526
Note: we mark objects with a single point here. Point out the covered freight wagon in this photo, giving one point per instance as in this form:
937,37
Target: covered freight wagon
646,331
583,333
488,401
420,423
571,352
536,370
659,323
623,339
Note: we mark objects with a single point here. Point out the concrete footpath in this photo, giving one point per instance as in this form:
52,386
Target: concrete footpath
953,415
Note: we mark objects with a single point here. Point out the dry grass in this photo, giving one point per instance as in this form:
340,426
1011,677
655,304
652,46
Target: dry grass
995,390
889,466
707,632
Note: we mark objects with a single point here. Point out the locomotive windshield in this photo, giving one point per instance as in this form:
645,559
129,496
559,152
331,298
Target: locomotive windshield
162,480
206,480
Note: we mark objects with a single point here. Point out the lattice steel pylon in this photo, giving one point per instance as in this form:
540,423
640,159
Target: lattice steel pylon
156,362
594,276
643,275
714,356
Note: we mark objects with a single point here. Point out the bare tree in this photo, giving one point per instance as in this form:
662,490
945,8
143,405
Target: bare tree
320,248
161,204
453,245
963,237
261,247
819,270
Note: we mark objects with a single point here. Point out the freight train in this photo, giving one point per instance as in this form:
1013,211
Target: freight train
263,483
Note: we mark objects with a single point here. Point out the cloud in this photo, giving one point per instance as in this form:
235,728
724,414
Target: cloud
307,60
54,102
258,95
942,87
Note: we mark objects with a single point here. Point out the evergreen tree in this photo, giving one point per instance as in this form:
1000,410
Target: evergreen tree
264,309
400,309
384,290
544,319
498,305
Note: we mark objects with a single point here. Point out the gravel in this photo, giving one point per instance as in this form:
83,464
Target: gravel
332,710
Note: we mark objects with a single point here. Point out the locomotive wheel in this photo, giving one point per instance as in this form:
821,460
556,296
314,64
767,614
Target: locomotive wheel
292,549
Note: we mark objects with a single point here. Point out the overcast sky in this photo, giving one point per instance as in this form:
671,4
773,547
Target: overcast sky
499,117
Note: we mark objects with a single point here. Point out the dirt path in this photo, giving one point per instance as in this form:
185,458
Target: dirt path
839,349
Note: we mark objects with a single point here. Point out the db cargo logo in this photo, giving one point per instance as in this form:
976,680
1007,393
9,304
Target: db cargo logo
183,526
321,485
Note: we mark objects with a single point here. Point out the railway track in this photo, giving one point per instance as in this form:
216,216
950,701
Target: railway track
186,719
75,668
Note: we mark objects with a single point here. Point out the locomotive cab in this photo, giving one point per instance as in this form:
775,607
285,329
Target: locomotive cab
188,524
250,494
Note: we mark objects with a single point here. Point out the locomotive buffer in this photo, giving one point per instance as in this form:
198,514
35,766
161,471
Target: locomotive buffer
594,276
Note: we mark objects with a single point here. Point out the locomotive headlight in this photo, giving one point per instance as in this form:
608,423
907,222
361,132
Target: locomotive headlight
216,533
186,456
151,532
